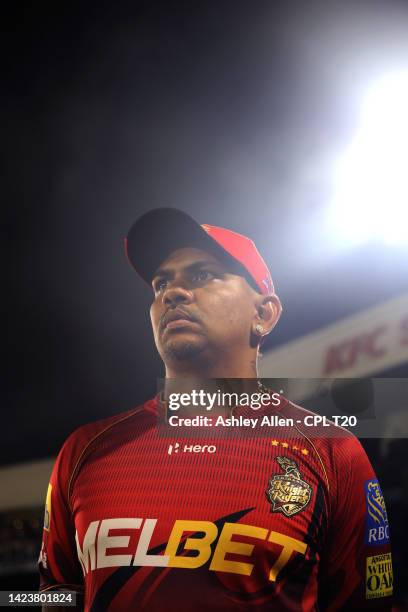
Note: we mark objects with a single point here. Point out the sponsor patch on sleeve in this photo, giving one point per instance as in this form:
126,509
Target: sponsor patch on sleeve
47,513
379,577
377,529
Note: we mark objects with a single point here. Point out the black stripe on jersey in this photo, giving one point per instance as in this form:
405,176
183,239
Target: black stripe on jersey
118,579
300,567
315,539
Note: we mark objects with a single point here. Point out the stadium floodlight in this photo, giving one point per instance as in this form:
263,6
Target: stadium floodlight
371,179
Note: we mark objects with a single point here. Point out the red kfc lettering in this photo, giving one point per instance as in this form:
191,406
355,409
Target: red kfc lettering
333,360
342,356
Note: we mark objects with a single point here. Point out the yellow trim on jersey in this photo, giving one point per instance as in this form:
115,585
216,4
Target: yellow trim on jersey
318,455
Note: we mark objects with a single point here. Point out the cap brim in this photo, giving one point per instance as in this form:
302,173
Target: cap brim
161,231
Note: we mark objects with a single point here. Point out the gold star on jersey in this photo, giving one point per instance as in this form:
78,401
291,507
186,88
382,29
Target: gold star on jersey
287,492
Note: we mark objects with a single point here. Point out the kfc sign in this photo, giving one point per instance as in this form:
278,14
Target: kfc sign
370,346
363,344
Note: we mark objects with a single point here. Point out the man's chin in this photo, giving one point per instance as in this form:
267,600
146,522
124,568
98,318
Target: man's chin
182,349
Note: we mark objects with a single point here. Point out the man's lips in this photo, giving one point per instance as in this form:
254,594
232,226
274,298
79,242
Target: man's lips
177,323
175,319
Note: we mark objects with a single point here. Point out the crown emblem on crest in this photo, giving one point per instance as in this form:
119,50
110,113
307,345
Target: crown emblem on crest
287,492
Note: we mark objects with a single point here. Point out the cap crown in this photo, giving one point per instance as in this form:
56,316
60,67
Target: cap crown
243,250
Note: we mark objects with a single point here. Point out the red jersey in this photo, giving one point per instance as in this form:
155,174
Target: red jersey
138,520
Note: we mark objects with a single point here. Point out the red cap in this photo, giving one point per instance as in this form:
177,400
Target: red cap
245,252
163,230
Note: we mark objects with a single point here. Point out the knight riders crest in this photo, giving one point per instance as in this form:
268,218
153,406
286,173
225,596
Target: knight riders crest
287,492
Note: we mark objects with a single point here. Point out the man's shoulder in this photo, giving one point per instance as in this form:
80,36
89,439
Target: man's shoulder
84,433
85,436
338,450
336,443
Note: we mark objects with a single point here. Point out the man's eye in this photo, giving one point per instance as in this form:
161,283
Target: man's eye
160,285
202,275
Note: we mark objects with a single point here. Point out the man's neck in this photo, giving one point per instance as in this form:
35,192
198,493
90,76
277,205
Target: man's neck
226,375
223,368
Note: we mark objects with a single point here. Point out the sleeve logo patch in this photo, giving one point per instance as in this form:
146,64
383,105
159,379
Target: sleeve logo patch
47,513
379,577
377,528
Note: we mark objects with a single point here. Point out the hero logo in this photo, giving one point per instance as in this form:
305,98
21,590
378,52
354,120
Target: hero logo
98,544
377,529
189,448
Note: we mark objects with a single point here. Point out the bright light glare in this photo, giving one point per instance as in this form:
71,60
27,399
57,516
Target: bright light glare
371,180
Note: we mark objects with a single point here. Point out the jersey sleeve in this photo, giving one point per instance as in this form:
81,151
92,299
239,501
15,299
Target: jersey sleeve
357,560
58,561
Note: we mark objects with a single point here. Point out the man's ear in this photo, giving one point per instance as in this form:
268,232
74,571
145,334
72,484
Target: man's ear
268,312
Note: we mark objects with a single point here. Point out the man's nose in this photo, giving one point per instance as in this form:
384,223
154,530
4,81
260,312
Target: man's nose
177,294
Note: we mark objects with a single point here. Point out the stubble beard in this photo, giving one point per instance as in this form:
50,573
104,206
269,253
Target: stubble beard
178,351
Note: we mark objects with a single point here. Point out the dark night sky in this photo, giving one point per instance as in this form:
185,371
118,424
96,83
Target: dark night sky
231,111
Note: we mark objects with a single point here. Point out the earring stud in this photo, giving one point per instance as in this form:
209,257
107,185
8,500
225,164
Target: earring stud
259,329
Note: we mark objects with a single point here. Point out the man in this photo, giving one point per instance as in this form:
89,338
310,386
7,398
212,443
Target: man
143,512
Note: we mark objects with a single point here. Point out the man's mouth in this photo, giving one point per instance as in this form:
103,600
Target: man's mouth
179,323
177,319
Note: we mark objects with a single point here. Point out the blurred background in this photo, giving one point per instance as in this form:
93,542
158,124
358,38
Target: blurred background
286,123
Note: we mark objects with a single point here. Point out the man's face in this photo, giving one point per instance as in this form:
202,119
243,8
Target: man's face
200,307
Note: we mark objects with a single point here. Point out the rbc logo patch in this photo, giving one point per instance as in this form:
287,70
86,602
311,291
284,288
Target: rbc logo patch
377,528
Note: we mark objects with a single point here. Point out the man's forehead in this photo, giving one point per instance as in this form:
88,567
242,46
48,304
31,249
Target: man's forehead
187,256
